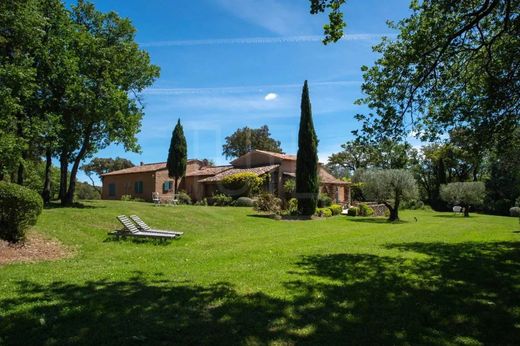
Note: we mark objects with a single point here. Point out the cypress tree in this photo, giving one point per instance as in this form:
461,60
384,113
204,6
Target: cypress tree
307,185
177,155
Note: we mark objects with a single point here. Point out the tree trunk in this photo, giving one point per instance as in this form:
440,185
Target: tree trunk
69,197
21,167
93,184
20,174
394,212
46,193
64,165
475,172
175,187
466,209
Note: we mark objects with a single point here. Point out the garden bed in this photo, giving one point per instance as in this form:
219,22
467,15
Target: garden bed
35,249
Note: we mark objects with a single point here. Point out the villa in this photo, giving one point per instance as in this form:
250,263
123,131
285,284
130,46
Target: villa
202,180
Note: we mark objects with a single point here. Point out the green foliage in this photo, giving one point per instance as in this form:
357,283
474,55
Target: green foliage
268,203
202,202
19,209
358,154
34,177
289,186
183,198
353,211
130,198
244,202
334,29
412,204
464,194
307,185
245,184
85,191
292,206
177,154
323,212
126,198
100,165
450,66
21,39
514,211
220,200
503,183
390,187
336,209
246,139
324,201
365,210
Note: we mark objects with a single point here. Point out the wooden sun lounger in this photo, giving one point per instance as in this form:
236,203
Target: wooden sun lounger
145,228
131,230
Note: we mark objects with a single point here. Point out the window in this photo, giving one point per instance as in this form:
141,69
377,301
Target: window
112,189
167,186
138,187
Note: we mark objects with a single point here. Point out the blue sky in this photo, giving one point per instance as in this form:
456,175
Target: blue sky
220,59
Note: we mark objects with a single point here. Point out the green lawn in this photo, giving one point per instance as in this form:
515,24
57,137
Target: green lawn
236,278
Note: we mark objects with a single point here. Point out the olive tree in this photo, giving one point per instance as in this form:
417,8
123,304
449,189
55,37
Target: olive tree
464,194
389,187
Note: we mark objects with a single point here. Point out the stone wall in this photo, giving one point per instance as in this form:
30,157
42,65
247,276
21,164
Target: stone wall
379,209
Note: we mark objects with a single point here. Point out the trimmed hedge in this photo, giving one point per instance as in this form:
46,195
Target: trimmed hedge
324,201
292,208
515,211
244,202
336,209
323,212
365,210
183,198
220,200
245,184
19,209
268,203
353,211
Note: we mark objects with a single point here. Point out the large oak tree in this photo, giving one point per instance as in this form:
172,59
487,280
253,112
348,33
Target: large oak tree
247,139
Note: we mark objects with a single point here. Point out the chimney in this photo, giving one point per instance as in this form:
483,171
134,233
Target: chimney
142,163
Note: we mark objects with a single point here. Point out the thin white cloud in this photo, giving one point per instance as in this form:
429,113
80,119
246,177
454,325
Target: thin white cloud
245,88
262,40
277,16
270,97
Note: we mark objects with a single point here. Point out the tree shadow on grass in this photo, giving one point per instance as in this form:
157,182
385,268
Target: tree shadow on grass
133,240
137,311
382,220
454,216
75,205
453,293
457,293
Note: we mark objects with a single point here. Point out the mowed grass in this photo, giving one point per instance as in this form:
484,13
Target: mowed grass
237,278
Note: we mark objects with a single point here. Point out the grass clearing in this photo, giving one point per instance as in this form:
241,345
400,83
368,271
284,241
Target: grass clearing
236,278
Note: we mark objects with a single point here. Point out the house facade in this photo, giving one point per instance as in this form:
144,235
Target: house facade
203,181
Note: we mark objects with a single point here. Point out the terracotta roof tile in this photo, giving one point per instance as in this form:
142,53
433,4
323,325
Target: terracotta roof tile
281,156
149,167
257,170
208,171
327,178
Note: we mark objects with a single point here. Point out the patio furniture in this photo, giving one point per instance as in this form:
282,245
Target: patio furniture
156,198
458,209
344,210
173,200
131,230
145,228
